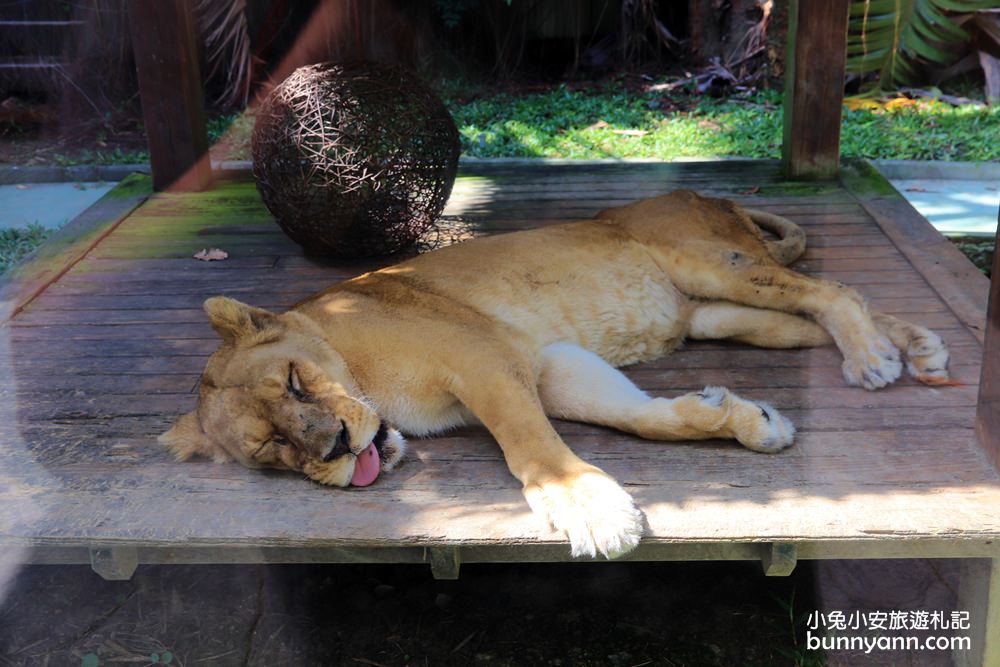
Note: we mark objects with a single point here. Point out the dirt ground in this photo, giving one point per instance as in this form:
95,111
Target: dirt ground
617,614
587,614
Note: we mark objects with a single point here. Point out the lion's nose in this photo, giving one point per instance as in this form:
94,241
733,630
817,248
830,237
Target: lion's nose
341,443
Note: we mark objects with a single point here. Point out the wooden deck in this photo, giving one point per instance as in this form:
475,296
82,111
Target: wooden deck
100,359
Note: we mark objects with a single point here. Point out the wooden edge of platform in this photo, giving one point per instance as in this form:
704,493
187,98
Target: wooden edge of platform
446,558
70,244
961,286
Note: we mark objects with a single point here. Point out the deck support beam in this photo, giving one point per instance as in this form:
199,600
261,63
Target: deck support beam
171,90
115,563
988,405
979,594
778,558
814,88
445,562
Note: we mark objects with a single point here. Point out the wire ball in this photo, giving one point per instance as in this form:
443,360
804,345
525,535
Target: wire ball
354,160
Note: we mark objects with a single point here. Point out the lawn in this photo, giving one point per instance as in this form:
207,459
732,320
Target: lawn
609,121
16,243
614,124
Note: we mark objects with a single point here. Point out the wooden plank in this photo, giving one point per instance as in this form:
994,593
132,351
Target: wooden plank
649,550
814,88
988,410
170,87
69,245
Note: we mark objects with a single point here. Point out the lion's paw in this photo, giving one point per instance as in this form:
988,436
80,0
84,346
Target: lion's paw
927,358
874,365
760,427
592,510
392,450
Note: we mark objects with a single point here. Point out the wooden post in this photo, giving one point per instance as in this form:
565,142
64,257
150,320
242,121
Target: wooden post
814,88
979,594
115,563
778,558
988,405
170,87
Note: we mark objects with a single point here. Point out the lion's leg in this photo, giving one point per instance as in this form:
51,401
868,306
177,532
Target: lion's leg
721,320
870,358
576,498
925,352
578,385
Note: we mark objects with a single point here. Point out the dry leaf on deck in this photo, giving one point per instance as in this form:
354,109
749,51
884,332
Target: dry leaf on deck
211,254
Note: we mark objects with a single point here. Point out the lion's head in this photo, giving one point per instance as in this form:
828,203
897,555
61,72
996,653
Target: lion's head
276,395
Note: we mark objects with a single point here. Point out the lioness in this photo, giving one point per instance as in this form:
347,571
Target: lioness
510,330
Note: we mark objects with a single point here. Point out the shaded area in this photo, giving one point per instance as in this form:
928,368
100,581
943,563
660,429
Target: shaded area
608,614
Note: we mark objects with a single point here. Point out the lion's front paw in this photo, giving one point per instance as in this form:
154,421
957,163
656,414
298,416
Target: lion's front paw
874,365
927,358
592,510
392,450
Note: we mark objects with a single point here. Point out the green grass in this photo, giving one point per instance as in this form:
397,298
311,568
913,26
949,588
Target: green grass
568,124
15,244
101,157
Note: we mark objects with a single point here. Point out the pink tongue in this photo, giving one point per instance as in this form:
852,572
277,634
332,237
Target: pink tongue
366,467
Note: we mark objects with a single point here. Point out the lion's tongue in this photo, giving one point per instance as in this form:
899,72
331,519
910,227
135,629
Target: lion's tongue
366,467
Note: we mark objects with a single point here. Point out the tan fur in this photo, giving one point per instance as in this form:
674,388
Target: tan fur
512,329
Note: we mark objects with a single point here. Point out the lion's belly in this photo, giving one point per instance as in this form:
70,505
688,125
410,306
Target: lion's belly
625,311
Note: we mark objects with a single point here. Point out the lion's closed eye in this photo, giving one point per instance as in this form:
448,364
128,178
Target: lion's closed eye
295,387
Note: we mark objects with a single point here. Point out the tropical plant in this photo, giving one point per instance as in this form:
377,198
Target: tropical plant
222,26
903,40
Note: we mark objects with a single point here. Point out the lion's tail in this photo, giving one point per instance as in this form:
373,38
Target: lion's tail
791,241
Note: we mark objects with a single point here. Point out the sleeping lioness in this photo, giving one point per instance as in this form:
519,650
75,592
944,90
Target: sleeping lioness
510,330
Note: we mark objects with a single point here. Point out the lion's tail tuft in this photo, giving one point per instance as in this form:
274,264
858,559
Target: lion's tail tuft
791,241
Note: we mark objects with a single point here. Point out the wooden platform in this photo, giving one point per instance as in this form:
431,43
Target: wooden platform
100,359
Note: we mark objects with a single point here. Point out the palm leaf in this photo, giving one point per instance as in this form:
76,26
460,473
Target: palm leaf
899,38
222,26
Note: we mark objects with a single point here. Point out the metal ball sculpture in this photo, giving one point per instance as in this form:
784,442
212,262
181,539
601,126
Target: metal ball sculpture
354,160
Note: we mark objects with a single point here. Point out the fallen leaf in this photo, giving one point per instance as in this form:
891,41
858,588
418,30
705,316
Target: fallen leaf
631,133
598,125
751,191
855,103
211,255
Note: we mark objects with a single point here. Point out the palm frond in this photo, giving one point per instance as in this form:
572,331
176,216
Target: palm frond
900,38
222,25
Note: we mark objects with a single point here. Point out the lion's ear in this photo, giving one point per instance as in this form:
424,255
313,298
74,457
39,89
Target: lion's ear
185,438
234,320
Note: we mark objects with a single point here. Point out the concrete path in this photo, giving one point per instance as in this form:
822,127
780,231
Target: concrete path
959,198
954,206
51,205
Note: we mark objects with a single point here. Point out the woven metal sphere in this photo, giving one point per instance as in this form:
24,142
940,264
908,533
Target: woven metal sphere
354,160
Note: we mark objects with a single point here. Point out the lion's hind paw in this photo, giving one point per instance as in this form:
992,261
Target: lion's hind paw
875,366
927,359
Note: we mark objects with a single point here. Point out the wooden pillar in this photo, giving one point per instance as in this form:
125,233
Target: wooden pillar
988,406
814,87
170,87
979,594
